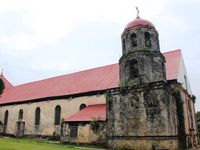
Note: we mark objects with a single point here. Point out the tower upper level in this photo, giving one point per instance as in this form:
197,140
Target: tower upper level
141,61
139,34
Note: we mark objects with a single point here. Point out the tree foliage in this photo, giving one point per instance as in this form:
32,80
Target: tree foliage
198,116
194,98
94,124
198,121
2,86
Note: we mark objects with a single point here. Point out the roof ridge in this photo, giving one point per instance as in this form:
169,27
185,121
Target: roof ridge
171,51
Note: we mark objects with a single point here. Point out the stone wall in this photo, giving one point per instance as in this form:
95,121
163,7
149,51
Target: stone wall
144,144
46,127
142,114
85,134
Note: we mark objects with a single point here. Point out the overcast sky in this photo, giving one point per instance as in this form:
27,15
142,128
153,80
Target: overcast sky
45,38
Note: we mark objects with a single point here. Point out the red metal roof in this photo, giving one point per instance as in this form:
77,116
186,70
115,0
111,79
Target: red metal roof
101,78
91,112
172,64
139,22
96,79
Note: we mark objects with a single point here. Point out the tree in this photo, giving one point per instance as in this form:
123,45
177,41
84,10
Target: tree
194,98
198,121
2,86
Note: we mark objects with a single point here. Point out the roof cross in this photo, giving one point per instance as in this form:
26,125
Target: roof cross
137,11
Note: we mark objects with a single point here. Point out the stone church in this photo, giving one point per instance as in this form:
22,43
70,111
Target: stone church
144,102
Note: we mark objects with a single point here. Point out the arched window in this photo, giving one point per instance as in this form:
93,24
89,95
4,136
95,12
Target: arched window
21,113
147,39
57,115
133,68
37,116
6,117
123,44
133,39
82,106
134,101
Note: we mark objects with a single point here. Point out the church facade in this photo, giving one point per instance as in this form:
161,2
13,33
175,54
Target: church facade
144,102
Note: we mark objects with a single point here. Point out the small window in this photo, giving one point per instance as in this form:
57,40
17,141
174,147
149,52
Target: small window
133,39
147,39
37,116
73,130
134,101
57,115
123,44
20,117
82,106
133,68
6,117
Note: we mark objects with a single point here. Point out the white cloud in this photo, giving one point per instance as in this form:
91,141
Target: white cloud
52,20
49,65
21,43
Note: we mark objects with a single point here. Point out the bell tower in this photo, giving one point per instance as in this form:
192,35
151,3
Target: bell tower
142,61
141,113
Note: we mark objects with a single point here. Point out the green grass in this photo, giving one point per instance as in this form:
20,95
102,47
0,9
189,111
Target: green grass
30,144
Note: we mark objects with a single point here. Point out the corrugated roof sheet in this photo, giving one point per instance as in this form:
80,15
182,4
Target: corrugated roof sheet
96,79
91,112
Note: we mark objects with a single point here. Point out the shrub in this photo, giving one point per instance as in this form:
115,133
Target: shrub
94,124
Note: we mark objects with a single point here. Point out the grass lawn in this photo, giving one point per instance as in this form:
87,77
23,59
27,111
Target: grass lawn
32,144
